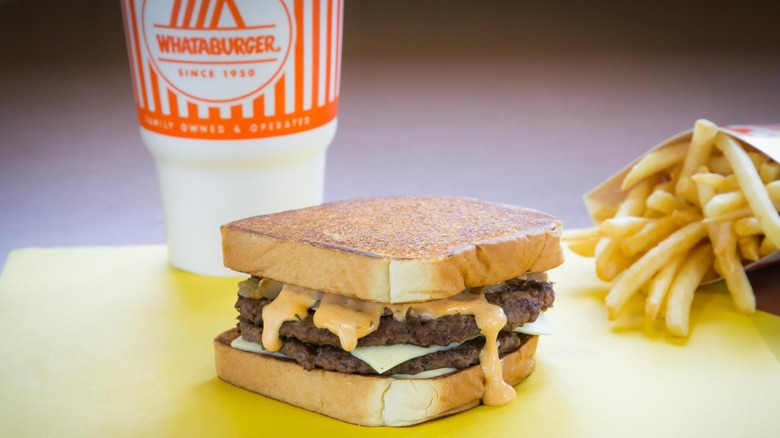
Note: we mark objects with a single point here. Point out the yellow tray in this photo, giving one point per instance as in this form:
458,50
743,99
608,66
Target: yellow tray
110,341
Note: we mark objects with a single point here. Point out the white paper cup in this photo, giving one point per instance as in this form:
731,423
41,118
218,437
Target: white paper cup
237,103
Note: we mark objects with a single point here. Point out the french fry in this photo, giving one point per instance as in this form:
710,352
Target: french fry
685,283
686,216
730,216
717,181
665,202
724,241
769,171
674,174
754,189
747,226
604,213
634,203
648,236
619,227
723,238
658,287
719,164
773,189
664,185
583,242
655,162
581,234
648,264
610,260
724,203
766,247
738,285
698,154
748,247
730,267
584,247
716,231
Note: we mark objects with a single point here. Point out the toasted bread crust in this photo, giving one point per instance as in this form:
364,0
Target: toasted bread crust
358,399
412,248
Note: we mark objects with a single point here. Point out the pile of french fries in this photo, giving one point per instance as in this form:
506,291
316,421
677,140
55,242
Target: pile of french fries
692,211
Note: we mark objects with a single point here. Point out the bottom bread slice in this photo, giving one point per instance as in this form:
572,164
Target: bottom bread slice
361,399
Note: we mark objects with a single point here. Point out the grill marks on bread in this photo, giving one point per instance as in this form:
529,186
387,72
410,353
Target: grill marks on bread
406,249
408,228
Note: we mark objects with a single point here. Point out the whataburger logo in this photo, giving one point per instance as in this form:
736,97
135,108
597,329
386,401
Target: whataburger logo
217,50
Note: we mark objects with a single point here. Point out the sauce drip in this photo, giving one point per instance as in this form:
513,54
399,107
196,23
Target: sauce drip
490,320
348,318
292,304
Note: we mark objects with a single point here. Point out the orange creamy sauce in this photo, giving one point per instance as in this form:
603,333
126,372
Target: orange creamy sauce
292,304
348,318
351,319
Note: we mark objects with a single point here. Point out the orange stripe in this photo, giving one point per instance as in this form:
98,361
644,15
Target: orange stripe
217,14
279,97
175,12
236,15
338,46
155,91
192,110
141,76
236,113
315,71
213,113
259,107
328,62
298,55
130,53
188,14
204,7
173,102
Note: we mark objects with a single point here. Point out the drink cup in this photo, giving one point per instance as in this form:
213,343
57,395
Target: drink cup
237,103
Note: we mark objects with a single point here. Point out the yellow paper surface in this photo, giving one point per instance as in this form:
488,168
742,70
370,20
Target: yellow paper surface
110,341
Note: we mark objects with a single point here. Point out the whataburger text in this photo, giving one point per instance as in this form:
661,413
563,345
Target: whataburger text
216,46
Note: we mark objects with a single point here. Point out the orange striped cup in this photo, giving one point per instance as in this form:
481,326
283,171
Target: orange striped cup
237,102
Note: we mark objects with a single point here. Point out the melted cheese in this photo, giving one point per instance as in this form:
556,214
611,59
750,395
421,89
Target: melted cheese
351,318
426,374
534,276
539,327
242,344
383,358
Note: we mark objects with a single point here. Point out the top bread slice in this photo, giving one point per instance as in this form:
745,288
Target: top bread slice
395,249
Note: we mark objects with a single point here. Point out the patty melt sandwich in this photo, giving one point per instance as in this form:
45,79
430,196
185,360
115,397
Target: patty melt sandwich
388,311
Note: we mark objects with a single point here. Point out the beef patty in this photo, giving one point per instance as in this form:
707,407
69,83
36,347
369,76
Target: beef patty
313,347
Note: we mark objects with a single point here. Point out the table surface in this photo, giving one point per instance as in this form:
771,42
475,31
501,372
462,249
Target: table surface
509,102
106,374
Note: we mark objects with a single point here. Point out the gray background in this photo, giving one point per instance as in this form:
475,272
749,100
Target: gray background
524,102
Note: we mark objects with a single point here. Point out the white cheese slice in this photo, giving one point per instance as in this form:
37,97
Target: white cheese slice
539,327
382,358
242,344
426,374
